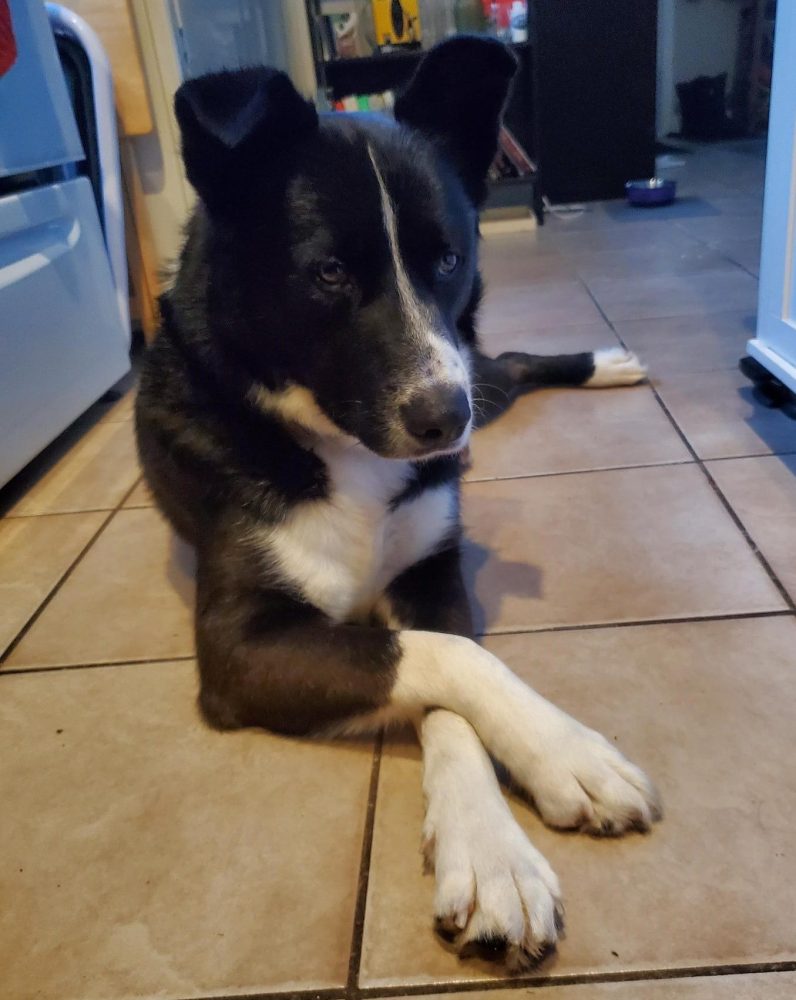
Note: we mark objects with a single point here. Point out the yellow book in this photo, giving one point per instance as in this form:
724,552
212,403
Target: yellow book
397,22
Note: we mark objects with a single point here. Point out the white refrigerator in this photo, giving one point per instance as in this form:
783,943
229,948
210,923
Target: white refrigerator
63,339
774,345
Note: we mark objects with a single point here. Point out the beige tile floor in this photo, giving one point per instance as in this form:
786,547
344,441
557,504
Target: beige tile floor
632,555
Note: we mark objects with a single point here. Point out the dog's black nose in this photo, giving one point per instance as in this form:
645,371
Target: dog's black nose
437,417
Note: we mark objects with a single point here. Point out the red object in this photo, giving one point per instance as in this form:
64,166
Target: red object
8,47
503,11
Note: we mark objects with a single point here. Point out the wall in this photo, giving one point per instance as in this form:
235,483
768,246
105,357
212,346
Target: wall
222,34
165,194
695,38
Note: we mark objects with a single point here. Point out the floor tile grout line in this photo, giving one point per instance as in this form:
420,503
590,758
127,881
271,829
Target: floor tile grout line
696,313
31,621
513,983
762,454
46,462
654,316
643,622
358,928
324,993
100,665
576,979
529,630
743,267
700,463
737,263
784,594
11,516
723,253
580,472
56,513
480,479
734,517
649,383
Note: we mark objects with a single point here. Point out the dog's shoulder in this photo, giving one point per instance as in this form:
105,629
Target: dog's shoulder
205,446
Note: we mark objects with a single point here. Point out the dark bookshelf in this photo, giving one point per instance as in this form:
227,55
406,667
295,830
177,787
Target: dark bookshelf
380,71
582,105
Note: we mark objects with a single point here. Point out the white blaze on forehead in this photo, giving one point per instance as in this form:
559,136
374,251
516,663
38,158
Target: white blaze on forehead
444,361
417,314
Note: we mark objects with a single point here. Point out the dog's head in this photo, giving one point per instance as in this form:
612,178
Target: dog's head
341,251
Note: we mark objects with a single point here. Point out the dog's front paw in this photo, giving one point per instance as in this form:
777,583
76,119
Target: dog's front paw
615,366
496,895
583,782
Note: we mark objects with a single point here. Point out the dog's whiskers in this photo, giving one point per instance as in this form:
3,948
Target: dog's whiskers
489,385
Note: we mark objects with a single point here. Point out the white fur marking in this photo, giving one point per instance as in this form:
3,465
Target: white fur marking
344,550
576,777
615,366
296,405
492,883
445,361
418,316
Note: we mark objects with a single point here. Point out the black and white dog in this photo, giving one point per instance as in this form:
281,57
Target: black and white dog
300,420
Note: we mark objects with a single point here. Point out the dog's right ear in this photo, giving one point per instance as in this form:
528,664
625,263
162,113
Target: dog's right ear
234,125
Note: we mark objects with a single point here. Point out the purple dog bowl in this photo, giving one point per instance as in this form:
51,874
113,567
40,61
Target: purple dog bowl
652,191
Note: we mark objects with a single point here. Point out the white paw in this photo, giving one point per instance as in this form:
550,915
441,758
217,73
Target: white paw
615,366
495,892
583,782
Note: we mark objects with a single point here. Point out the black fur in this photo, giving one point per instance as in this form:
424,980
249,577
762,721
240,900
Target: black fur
234,123
427,475
456,99
498,381
251,312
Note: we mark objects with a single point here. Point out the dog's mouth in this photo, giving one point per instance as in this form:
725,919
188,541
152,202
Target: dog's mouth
461,445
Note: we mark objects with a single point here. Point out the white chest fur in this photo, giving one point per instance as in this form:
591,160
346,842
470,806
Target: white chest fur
343,551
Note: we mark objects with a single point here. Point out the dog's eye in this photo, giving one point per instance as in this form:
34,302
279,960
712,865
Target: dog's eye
332,273
448,263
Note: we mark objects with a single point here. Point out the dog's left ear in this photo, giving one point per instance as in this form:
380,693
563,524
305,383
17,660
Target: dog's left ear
456,97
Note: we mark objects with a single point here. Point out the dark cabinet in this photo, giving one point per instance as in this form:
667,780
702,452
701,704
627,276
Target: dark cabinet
595,95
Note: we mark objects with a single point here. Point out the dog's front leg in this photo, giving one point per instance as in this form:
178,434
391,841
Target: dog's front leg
268,658
493,888
576,778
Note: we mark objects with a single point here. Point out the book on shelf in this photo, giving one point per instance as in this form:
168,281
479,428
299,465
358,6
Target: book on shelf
511,160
